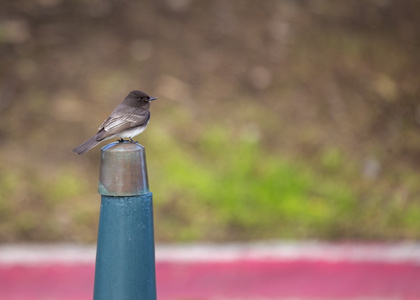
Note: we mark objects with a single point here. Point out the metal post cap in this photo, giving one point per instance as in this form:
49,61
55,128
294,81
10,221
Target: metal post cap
123,170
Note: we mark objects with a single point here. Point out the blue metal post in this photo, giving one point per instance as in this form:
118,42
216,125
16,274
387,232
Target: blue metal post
125,257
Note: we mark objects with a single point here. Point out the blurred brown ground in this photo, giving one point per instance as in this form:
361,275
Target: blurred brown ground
304,77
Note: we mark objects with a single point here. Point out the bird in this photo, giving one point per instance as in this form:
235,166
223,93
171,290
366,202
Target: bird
129,118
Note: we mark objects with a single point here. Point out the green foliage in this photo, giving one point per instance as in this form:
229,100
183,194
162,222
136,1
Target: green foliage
223,186
45,207
235,190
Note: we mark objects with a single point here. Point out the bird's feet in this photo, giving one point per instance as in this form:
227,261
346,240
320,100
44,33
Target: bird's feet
121,140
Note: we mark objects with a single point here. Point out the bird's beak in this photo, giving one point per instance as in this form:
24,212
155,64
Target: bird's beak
152,98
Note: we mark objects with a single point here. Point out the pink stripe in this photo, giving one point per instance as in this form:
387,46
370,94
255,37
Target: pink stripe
241,279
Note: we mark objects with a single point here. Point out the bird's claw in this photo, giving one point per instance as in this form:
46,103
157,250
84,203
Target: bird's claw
121,140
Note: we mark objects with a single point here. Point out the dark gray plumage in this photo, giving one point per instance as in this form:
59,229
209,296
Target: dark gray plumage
128,119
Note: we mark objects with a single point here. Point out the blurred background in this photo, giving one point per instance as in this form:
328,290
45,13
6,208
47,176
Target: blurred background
285,119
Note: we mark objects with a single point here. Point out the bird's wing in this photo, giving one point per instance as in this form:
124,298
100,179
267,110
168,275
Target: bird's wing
117,123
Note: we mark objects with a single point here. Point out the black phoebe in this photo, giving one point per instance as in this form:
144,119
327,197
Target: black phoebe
128,119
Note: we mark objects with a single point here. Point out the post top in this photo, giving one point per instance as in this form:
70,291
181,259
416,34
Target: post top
123,146
123,170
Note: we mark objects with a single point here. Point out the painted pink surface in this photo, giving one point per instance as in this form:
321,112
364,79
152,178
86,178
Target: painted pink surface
295,279
46,282
227,280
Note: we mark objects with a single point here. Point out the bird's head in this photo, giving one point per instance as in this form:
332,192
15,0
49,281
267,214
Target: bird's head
140,96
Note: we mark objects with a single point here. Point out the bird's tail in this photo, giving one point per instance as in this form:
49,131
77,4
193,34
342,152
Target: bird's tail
86,146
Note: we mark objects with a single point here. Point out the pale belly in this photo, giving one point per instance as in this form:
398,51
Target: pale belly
130,133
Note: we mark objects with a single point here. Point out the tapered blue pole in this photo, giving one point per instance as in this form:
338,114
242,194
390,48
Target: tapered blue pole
125,257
